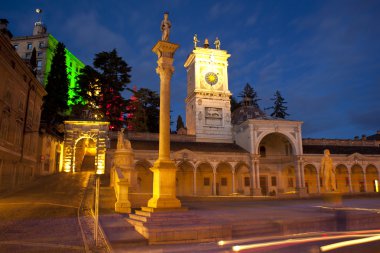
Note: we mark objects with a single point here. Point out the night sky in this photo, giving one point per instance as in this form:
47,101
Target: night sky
323,56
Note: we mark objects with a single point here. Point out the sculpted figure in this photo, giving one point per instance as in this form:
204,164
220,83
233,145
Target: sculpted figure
165,27
195,40
328,172
217,43
121,142
120,139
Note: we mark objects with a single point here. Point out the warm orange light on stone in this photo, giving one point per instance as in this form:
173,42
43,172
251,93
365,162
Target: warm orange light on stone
164,169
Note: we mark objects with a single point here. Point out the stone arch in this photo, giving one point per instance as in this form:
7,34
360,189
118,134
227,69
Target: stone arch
224,179
342,178
185,178
144,177
84,153
281,150
357,178
243,178
77,130
291,139
311,178
205,179
371,177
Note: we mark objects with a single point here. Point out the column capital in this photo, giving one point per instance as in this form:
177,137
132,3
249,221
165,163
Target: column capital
256,157
165,70
165,49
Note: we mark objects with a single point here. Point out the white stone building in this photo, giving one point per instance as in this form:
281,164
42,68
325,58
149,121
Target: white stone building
246,152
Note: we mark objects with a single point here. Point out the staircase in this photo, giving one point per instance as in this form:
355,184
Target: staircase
120,233
176,226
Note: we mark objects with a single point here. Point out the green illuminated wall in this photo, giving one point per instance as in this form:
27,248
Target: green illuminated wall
74,65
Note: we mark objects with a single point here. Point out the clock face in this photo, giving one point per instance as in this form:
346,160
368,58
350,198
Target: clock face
211,78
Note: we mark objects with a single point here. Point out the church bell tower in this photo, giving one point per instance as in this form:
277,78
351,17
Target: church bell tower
208,114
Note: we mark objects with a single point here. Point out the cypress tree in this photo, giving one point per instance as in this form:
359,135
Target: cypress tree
55,102
249,94
279,108
180,123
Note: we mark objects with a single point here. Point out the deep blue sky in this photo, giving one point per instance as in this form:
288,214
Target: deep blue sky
324,56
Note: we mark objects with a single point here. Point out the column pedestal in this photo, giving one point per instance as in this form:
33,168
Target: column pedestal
123,205
164,188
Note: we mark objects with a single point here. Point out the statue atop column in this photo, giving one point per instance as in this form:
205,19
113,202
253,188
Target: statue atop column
195,40
217,43
165,27
328,172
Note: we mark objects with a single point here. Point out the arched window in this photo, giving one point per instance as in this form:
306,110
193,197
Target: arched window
262,151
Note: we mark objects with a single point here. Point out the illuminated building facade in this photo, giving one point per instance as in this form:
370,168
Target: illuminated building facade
45,45
246,152
20,110
85,145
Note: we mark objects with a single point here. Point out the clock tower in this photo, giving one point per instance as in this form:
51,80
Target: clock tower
208,114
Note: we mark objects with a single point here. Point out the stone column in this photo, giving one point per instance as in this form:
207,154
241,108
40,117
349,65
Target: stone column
300,182
349,180
195,182
214,181
256,175
318,182
164,169
365,180
233,180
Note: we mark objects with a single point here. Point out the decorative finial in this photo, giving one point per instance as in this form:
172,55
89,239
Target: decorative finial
195,40
217,43
165,27
39,11
206,44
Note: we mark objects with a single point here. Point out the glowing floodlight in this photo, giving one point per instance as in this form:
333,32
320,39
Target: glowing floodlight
38,10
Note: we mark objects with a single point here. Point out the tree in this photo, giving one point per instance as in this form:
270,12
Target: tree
249,94
279,108
144,113
4,27
87,94
57,86
180,123
114,76
101,87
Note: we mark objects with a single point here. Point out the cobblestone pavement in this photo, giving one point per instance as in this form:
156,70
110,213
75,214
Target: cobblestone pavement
44,217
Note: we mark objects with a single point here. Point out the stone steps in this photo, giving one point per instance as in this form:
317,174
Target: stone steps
120,233
180,226
168,219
